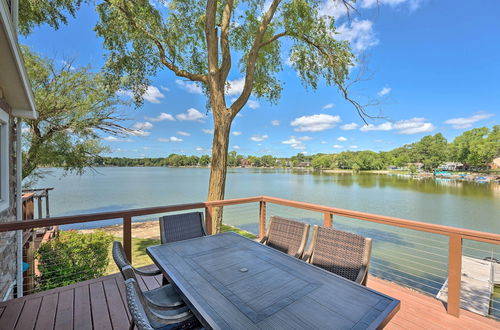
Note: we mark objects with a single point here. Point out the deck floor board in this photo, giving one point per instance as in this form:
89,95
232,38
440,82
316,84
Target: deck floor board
101,304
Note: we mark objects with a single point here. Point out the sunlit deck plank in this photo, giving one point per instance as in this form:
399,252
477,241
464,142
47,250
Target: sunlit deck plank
417,310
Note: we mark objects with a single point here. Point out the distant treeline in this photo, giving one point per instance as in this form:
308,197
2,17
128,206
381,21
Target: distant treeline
475,149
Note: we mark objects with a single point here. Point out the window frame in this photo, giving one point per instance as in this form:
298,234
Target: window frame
4,161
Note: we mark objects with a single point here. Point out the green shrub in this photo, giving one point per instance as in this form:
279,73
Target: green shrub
72,257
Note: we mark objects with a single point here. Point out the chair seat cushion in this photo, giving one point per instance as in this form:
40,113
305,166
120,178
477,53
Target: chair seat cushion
164,295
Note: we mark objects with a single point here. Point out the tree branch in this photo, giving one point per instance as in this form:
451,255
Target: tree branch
224,41
273,39
162,54
252,58
342,87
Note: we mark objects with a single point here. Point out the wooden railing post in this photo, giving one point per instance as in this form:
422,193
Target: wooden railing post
39,204
127,237
47,207
454,274
208,219
262,219
327,219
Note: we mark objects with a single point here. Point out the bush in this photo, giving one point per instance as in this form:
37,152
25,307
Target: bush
72,257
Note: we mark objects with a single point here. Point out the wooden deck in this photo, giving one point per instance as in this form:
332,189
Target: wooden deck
100,304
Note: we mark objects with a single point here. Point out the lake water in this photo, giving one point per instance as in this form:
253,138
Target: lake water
413,258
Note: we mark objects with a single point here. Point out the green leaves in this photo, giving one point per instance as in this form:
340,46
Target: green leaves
73,104
142,39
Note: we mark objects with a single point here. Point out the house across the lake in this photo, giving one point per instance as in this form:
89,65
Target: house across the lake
16,102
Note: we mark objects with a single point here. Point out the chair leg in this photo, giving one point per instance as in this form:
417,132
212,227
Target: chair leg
164,281
132,324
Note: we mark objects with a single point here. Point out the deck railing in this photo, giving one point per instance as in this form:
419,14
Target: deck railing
452,248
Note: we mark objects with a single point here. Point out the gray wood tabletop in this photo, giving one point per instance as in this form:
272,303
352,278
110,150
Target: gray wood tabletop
231,282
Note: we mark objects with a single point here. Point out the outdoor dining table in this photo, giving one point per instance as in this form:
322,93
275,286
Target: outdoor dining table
232,282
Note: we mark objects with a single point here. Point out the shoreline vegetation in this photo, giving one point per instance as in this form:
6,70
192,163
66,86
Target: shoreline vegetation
476,151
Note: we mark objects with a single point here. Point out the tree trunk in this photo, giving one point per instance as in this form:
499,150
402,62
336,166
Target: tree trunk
218,168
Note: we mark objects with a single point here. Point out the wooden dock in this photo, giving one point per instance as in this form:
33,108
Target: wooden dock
478,279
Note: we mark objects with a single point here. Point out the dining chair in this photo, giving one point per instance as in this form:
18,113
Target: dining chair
340,252
178,227
286,235
146,318
163,297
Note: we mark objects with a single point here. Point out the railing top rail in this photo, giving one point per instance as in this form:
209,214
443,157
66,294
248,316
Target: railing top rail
393,221
65,220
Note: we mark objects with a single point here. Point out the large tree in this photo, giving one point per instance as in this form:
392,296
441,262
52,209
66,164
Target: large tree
73,105
206,41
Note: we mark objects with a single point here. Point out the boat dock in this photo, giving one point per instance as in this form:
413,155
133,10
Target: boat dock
478,280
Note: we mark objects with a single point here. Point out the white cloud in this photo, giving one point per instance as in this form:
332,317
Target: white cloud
408,126
413,126
152,94
190,87
295,143
170,139
275,122
161,117
259,138
328,106
359,33
387,126
252,104
336,146
331,8
207,131
465,122
143,125
191,114
353,147
200,149
305,138
315,123
384,91
116,139
341,138
236,147
349,127
236,133
141,128
183,133
323,142
166,89
235,87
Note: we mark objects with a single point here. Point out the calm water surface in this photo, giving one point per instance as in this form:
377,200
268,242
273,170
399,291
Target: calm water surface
461,204
412,258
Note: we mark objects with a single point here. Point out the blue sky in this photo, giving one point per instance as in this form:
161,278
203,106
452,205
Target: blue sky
433,66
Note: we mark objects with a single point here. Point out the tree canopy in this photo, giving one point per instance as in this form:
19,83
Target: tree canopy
73,105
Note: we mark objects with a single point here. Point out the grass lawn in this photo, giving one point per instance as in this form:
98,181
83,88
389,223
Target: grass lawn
140,257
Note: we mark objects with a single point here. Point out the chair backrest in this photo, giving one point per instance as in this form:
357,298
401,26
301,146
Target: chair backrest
183,226
286,235
342,253
135,305
119,256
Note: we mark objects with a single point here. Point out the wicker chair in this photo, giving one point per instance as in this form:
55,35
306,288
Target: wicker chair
183,226
287,236
343,253
164,297
146,318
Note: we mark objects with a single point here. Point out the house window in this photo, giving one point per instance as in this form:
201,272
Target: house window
4,160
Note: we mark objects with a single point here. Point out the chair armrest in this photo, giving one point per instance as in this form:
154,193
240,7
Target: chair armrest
361,278
147,272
